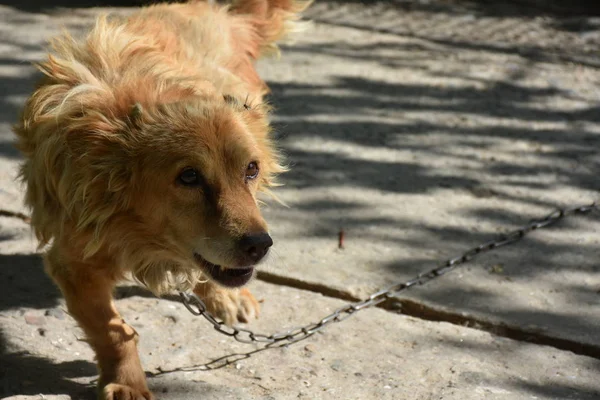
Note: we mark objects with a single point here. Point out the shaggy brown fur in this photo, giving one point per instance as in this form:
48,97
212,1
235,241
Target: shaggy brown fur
107,138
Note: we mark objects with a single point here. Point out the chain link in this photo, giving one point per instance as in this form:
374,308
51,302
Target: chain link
197,307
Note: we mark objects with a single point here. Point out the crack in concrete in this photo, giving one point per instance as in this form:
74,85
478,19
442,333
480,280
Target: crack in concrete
422,311
427,312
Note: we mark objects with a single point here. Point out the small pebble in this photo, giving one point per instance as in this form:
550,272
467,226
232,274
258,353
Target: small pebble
310,348
336,366
497,269
34,319
172,318
55,312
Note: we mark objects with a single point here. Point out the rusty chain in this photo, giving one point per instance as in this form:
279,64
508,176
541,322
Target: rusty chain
197,307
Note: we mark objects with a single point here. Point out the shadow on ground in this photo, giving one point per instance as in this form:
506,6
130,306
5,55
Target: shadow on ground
23,283
36,6
519,8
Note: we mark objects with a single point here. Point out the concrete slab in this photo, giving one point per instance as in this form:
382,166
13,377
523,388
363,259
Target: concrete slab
16,236
373,355
419,133
423,132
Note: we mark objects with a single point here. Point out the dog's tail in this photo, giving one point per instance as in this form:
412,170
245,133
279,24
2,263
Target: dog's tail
272,20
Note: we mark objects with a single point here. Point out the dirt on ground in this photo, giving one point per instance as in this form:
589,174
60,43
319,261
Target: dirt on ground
418,128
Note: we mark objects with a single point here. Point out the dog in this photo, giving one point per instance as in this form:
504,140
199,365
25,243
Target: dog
145,146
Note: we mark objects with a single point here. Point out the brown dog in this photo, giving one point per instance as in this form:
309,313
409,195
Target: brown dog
145,146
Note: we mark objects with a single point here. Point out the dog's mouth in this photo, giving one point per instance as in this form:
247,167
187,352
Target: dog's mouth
229,277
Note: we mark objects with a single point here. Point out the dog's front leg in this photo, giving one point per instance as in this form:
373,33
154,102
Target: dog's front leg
229,305
87,288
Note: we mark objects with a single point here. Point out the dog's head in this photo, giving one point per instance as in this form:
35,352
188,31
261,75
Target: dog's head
202,164
165,188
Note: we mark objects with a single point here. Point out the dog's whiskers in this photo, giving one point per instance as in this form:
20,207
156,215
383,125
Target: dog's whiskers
273,262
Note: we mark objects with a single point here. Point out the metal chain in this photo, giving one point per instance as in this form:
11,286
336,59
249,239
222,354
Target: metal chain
197,307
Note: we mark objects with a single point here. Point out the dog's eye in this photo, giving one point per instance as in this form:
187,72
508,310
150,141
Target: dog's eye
252,170
189,177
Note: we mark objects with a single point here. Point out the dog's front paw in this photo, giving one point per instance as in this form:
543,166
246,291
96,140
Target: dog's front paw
229,305
233,306
248,307
115,391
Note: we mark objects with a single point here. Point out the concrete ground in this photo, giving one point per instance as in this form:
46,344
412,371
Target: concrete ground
420,129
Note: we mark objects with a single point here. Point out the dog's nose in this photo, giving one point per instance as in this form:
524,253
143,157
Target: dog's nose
255,246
